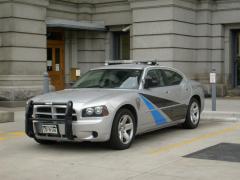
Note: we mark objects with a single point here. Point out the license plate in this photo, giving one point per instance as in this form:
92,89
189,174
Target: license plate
49,129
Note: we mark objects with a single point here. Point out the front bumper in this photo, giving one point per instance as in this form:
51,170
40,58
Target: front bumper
94,130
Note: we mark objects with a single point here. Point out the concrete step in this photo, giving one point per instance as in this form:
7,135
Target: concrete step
220,116
234,92
6,116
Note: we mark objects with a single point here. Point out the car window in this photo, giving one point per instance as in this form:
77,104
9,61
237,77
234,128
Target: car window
160,76
171,78
110,78
156,76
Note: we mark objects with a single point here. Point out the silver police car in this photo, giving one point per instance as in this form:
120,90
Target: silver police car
115,103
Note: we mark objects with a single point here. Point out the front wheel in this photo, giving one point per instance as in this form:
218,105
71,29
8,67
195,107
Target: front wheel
123,130
193,115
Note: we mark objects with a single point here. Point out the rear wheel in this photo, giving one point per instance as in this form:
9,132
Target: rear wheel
193,115
123,130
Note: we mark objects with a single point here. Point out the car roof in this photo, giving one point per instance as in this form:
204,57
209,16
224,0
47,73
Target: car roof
137,66
123,66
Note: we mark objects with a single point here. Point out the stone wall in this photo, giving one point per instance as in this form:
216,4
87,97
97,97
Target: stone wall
91,49
23,48
83,50
191,35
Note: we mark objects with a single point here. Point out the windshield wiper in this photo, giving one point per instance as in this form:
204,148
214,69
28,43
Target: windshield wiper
95,86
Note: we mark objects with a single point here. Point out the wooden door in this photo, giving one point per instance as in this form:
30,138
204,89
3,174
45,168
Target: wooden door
55,63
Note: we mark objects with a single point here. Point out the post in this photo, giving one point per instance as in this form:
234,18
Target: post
213,84
45,83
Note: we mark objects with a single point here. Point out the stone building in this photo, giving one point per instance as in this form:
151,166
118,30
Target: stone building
61,36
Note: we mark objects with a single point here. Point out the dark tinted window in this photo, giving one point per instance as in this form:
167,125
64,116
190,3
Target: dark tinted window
171,78
156,76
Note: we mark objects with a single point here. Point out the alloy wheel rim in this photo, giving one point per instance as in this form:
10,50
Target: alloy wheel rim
125,129
194,113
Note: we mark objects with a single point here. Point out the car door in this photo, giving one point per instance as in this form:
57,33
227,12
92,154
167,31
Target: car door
149,115
153,100
176,90
163,101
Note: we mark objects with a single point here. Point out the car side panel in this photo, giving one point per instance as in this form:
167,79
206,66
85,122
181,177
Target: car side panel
163,111
165,104
133,99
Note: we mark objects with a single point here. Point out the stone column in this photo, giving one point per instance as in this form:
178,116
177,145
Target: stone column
152,25
22,49
108,46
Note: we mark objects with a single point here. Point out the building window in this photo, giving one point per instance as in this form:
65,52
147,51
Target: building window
237,61
121,45
236,58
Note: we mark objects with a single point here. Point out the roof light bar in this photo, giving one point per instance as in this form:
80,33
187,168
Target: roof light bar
115,62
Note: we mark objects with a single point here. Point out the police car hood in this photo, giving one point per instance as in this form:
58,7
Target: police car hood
80,95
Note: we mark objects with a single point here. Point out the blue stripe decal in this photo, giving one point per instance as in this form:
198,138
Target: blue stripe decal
158,118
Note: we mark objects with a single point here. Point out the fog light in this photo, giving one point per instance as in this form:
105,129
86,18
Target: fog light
95,134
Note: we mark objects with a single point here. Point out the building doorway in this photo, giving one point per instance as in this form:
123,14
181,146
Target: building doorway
55,58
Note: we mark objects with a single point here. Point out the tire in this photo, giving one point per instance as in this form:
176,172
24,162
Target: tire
44,142
193,114
123,130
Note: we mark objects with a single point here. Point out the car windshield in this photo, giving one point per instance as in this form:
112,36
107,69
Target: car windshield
110,78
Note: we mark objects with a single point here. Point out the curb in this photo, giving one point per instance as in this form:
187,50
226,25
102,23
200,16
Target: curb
220,116
6,116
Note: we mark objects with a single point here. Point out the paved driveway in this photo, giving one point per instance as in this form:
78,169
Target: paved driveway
157,155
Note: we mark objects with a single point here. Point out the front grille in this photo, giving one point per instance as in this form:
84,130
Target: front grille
44,109
60,110
52,112
45,116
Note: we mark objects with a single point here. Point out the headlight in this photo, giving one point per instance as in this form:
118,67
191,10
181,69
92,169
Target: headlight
97,111
89,111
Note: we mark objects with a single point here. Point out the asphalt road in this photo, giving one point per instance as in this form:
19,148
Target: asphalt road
157,155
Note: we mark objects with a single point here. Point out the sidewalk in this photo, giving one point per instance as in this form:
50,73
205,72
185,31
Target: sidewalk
228,109
224,104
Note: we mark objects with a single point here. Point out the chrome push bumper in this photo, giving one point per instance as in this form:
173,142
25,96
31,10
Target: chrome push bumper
69,127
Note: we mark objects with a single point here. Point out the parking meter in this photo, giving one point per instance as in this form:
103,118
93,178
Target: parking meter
213,79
